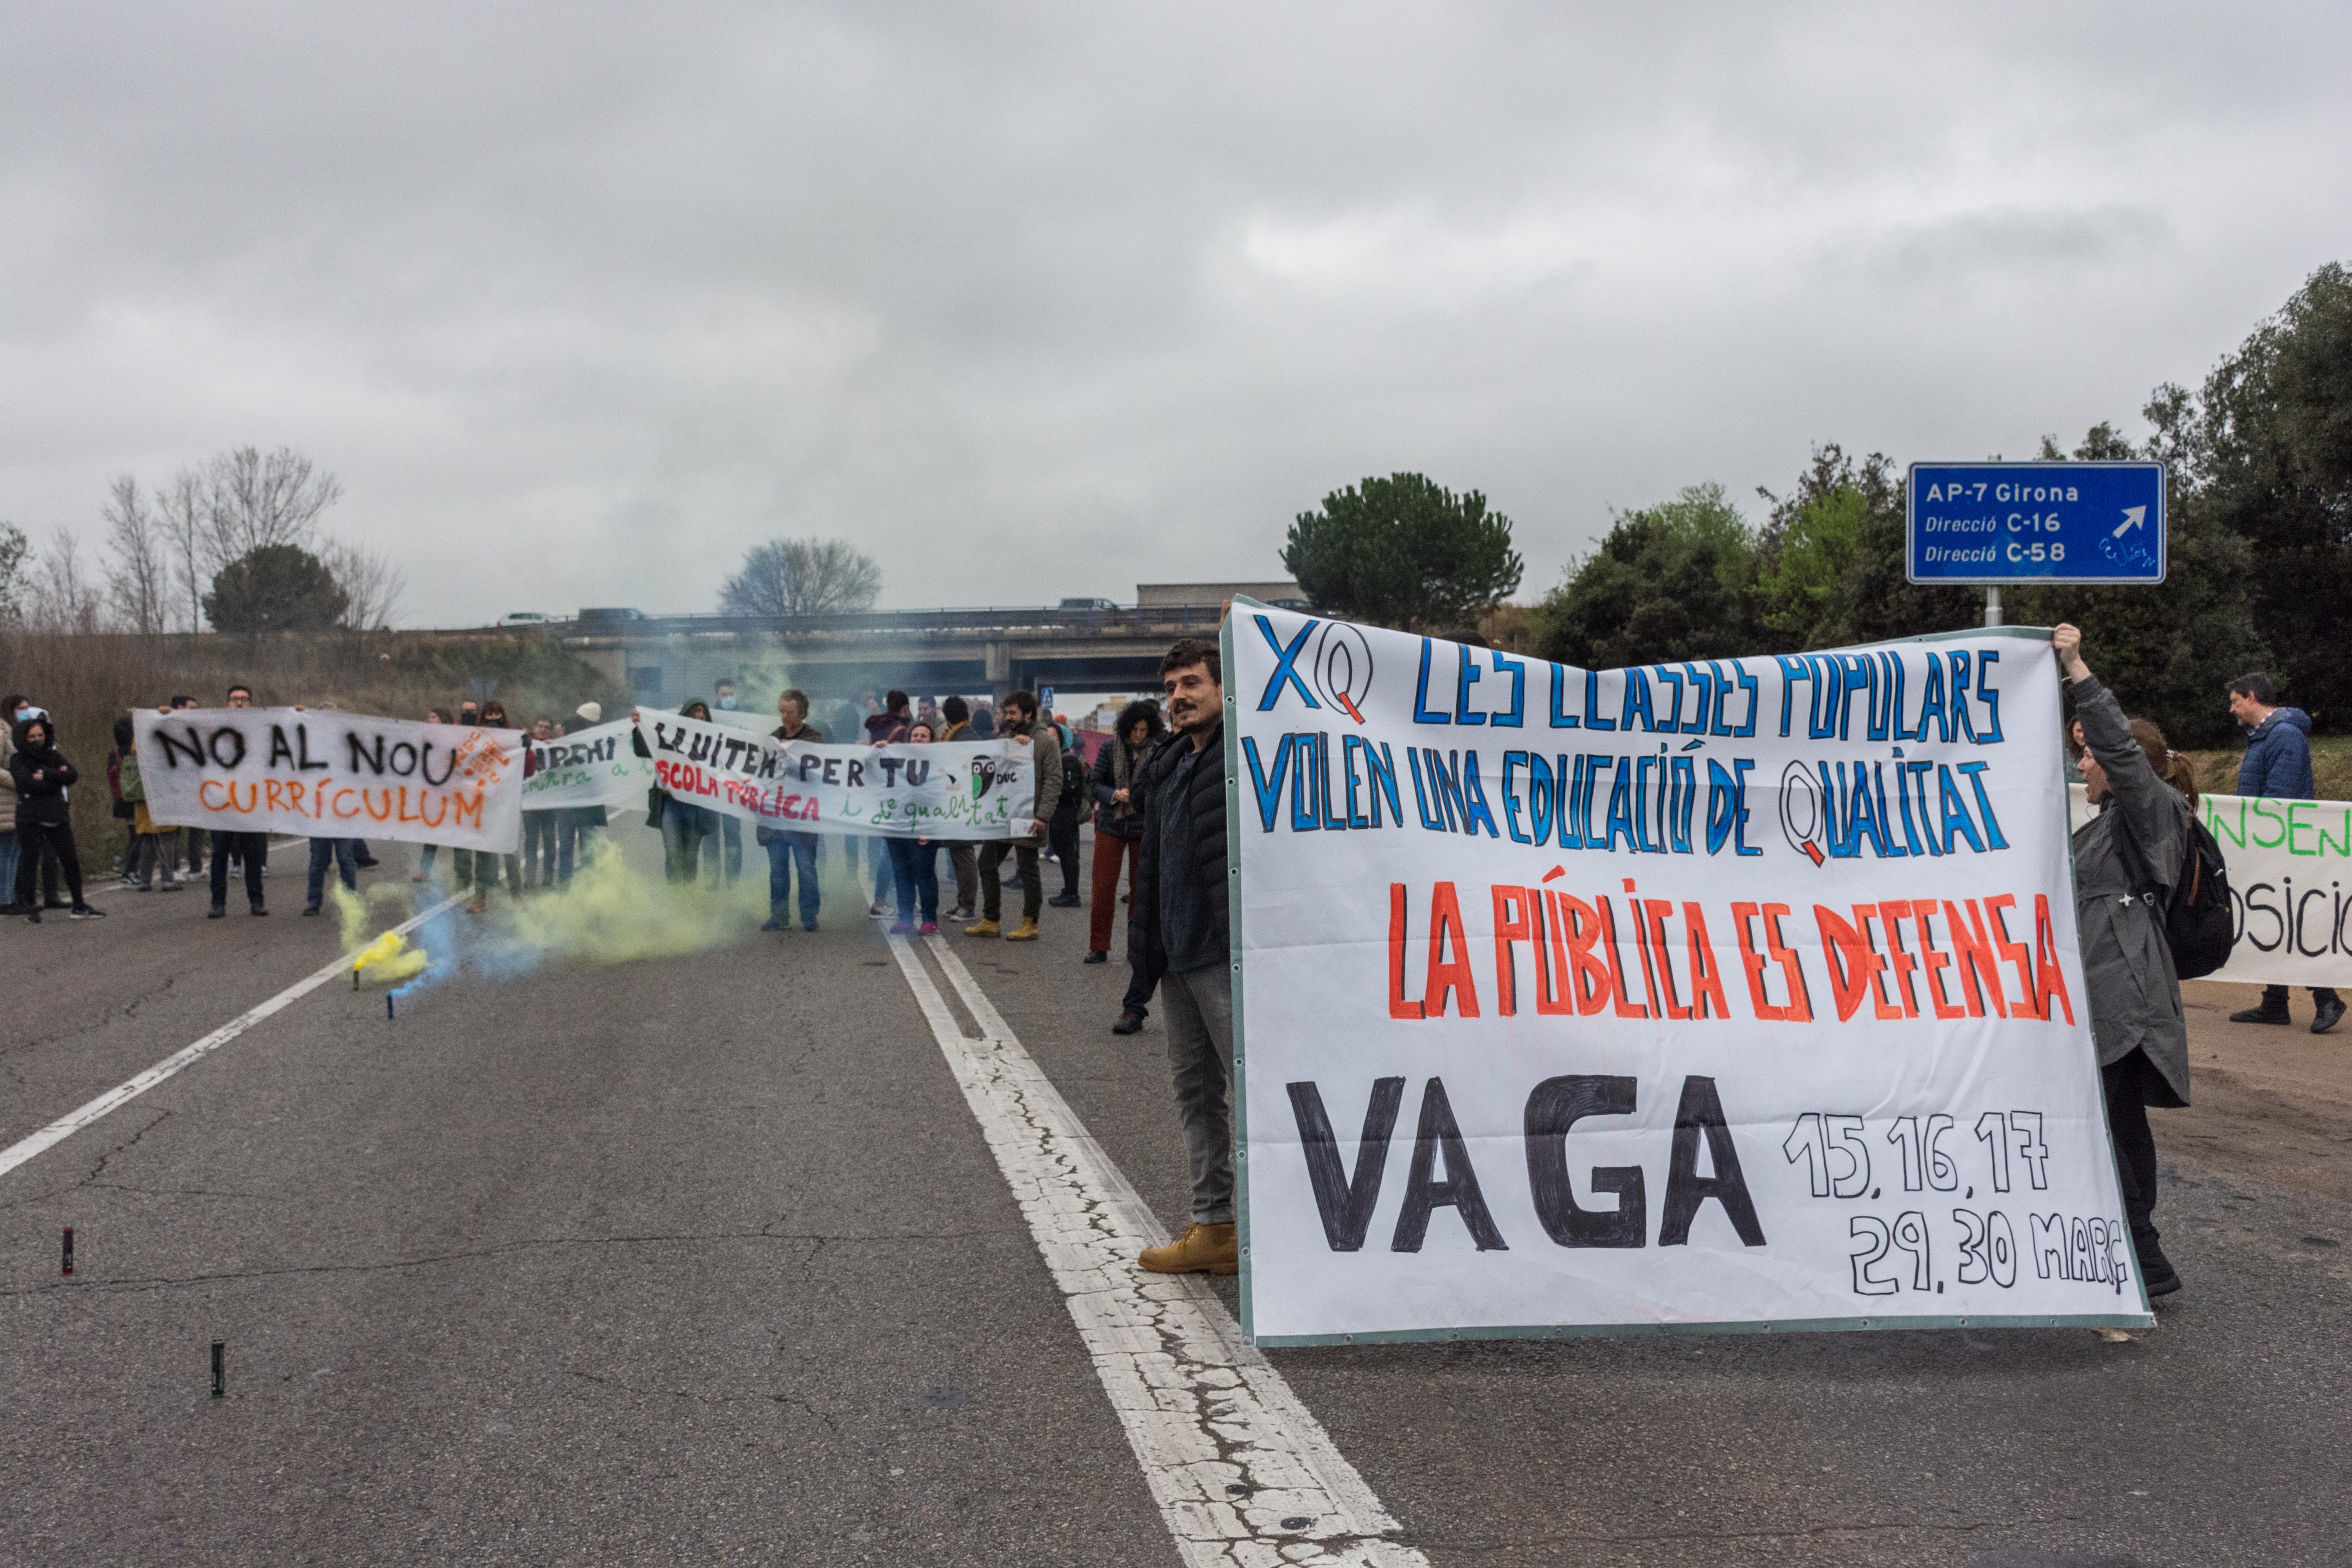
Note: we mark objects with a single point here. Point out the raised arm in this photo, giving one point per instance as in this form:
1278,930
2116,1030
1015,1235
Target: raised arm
2150,806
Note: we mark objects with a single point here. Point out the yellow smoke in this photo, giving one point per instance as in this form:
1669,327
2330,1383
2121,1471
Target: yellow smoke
612,912
615,912
386,960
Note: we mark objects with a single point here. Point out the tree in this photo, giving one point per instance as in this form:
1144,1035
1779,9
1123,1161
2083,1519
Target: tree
139,583
62,596
1831,567
371,586
256,508
181,518
2270,455
1670,582
1405,553
14,579
275,588
2168,652
801,577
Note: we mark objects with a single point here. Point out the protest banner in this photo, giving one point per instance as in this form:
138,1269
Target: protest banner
2291,915
1732,994
951,790
595,766
327,775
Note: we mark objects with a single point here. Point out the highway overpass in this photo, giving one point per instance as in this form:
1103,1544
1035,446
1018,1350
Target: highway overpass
994,649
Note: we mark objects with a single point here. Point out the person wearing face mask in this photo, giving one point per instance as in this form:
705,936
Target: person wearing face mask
16,710
42,775
2145,793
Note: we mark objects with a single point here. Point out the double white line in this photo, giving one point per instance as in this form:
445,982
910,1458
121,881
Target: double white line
1243,1476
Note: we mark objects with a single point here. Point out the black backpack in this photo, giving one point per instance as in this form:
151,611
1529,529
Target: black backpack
2199,925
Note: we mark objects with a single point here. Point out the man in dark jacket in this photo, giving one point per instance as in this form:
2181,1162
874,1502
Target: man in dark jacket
1179,928
2276,766
250,848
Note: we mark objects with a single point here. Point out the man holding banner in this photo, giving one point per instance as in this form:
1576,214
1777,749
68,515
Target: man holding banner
1180,928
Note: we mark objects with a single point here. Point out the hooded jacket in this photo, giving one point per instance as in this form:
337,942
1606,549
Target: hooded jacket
41,800
2134,993
2277,764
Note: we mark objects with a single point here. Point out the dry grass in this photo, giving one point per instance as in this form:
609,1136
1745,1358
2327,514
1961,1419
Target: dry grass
88,681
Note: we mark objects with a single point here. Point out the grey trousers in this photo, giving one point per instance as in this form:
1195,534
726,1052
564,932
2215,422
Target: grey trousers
1198,1007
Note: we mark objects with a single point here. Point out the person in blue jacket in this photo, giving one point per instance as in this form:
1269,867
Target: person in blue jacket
2276,766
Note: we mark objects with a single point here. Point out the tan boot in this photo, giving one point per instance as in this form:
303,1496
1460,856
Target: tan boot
1025,931
1201,1249
983,928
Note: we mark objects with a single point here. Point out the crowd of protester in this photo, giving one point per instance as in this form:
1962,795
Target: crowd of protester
1155,795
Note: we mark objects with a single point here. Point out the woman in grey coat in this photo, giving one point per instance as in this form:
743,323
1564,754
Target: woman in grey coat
2147,791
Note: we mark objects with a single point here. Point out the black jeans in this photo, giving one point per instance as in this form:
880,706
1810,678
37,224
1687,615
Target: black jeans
2274,997
991,888
2125,1083
35,839
253,848
1064,832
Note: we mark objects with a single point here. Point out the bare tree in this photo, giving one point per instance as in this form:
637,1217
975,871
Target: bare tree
15,578
63,597
373,583
182,518
801,577
253,501
139,583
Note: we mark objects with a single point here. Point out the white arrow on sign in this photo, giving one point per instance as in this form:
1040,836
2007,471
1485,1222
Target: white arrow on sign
2134,517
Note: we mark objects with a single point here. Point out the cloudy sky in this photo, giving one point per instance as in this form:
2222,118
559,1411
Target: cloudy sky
1034,300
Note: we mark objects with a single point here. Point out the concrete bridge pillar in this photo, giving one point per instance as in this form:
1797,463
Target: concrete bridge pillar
996,660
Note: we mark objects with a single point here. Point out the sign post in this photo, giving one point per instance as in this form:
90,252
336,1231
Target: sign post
1993,523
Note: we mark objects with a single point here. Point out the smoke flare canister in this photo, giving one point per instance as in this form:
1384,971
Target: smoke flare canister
69,1251
220,1372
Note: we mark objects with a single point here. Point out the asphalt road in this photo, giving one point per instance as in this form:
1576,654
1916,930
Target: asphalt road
702,1257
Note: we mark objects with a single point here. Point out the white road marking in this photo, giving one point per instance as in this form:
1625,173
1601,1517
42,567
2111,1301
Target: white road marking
123,1094
1203,1411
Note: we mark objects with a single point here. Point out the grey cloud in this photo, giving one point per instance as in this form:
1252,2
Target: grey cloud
1039,300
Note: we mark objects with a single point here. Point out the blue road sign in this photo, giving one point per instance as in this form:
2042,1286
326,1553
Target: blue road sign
2035,522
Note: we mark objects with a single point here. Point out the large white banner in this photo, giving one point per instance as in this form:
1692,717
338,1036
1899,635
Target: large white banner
327,775
595,766
2287,860
1741,993
960,790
